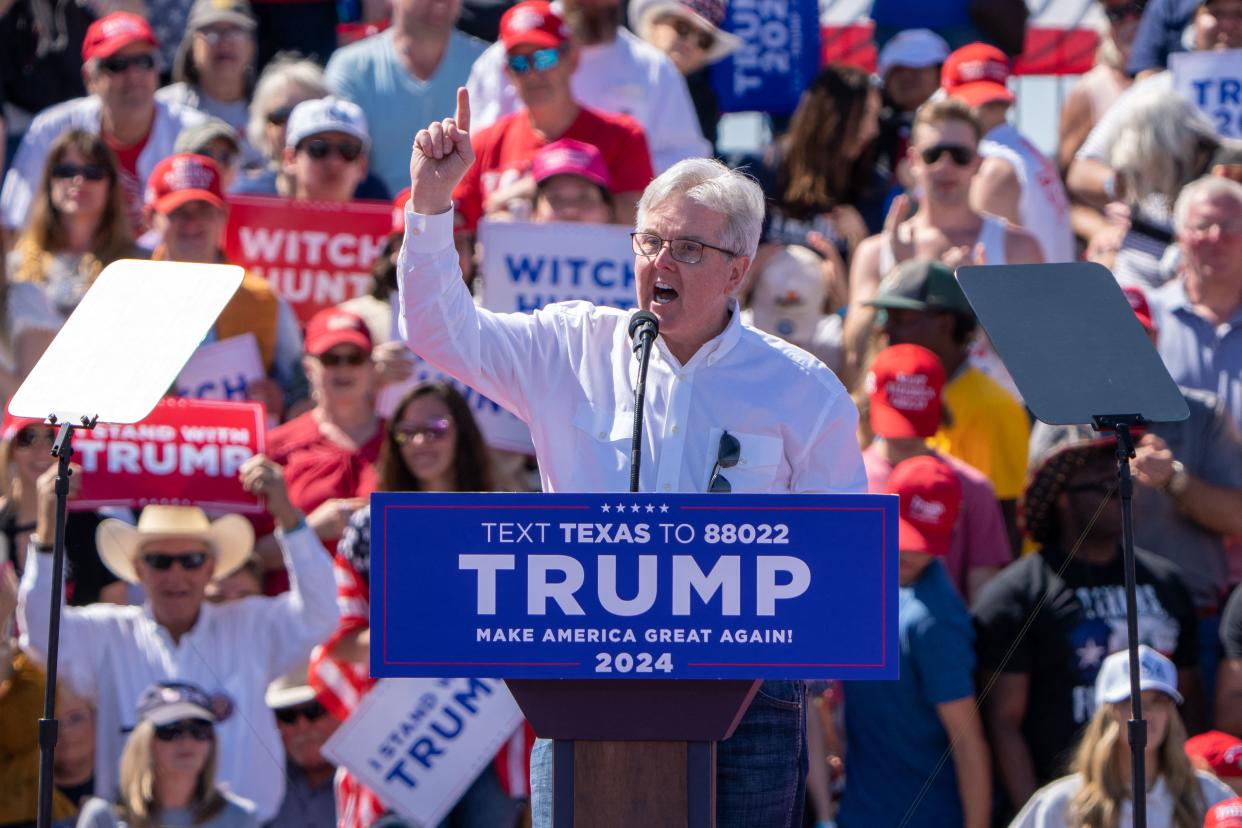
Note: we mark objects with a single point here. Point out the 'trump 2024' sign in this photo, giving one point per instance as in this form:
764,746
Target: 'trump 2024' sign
634,586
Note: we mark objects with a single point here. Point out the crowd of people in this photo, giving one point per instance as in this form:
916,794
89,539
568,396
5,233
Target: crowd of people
206,657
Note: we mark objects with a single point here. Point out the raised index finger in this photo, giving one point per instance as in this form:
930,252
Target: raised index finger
463,109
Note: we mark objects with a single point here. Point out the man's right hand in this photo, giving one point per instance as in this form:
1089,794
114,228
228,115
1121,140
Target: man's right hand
439,160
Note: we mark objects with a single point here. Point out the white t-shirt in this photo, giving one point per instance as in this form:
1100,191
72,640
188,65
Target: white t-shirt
1043,209
627,76
1049,807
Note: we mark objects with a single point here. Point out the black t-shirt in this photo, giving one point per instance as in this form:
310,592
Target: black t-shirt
1231,625
1082,622
85,573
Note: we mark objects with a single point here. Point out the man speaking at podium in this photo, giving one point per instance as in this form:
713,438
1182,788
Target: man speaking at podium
728,408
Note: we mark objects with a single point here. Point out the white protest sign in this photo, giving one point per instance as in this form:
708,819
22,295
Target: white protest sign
526,266
420,743
1212,81
221,370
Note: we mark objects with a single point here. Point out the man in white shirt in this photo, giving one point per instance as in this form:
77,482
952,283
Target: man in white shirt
618,72
110,654
568,370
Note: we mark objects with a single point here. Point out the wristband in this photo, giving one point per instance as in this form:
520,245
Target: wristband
1179,482
1110,186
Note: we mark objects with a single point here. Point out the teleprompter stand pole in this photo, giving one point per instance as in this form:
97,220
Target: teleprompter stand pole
1120,426
62,450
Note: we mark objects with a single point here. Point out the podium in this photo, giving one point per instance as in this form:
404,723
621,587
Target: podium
634,629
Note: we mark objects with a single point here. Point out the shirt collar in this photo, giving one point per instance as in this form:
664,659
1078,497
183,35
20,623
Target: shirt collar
714,349
205,614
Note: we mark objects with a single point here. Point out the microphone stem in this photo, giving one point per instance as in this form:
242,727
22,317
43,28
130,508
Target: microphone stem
640,391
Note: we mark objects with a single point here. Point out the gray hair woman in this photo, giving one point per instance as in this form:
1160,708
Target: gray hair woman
286,82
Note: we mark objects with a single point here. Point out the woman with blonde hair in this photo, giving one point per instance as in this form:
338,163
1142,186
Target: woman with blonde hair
1097,794
168,768
78,222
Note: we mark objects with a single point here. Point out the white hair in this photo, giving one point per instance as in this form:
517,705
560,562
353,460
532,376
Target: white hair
711,184
1160,143
281,72
1206,188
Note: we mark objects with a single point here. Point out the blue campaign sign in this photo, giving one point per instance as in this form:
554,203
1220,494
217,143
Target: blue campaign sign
778,59
634,586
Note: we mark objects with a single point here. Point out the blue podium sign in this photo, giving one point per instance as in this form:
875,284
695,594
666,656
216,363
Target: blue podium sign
683,586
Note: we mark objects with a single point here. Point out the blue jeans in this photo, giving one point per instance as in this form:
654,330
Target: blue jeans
760,770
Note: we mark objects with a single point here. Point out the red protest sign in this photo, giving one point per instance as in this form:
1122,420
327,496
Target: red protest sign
314,254
186,452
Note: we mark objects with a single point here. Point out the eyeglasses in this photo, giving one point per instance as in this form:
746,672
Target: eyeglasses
1116,14
683,28
353,359
540,60
319,149
229,34
279,117
91,172
116,64
727,455
162,561
28,437
960,155
313,711
200,730
430,431
686,251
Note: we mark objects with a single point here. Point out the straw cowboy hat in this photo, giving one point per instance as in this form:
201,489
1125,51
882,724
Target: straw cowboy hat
707,15
230,538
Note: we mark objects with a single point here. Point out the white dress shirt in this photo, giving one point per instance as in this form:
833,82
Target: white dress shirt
569,372
109,654
626,76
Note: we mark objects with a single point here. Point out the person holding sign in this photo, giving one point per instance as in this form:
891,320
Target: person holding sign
567,371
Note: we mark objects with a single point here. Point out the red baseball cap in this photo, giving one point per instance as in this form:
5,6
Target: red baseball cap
977,74
1142,310
113,32
903,392
931,498
570,157
332,327
532,23
398,211
1221,751
180,179
1225,814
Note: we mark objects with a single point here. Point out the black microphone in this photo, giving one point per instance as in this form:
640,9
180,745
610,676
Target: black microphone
644,328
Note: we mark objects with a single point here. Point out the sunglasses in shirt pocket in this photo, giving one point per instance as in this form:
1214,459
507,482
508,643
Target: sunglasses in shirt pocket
759,460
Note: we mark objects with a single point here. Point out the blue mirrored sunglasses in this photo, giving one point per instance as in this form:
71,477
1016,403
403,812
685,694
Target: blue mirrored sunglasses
540,60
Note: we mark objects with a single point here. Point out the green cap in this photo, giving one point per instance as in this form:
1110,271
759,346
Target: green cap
919,284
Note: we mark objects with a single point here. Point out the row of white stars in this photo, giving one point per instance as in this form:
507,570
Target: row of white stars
634,508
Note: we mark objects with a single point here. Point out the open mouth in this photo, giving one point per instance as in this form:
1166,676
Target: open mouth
663,294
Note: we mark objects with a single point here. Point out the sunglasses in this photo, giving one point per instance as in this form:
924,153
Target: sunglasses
116,64
960,155
28,437
727,455
686,251
222,157
540,60
1102,487
279,117
352,359
162,561
91,172
430,431
313,711
200,730
704,40
319,149
1116,14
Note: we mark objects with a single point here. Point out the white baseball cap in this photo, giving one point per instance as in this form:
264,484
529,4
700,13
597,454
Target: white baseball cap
330,114
789,294
912,48
1112,683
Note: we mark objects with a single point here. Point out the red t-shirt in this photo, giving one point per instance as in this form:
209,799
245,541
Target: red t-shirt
317,469
504,151
131,185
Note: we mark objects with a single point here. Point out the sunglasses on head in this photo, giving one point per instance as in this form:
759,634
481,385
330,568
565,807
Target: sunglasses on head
279,117
319,149
162,561
91,172
28,437
959,154
1116,14
116,64
313,711
540,60
727,455
353,359
430,431
684,29
200,730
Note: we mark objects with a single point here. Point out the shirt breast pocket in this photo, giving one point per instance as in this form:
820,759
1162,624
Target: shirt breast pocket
758,465
604,434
